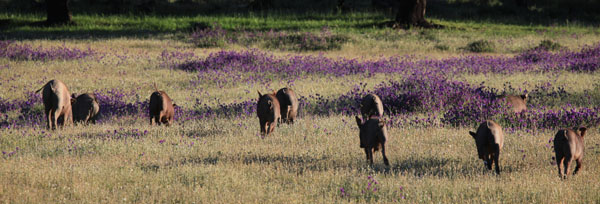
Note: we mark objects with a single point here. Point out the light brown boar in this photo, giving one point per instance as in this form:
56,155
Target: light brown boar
288,103
569,146
489,140
57,104
373,135
161,108
268,112
85,108
371,105
517,103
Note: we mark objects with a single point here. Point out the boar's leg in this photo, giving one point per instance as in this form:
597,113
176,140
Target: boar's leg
93,119
262,125
488,161
496,158
559,161
69,118
567,165
579,163
49,118
55,116
385,159
169,121
369,152
272,127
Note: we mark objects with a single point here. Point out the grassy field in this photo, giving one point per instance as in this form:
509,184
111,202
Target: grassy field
222,159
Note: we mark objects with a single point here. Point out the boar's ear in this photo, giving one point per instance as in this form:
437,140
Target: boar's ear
524,97
259,94
472,134
582,130
358,121
73,95
73,100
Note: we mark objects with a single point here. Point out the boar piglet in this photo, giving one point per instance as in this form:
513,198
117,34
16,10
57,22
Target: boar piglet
489,140
161,108
85,108
268,112
288,103
57,104
569,146
371,105
373,135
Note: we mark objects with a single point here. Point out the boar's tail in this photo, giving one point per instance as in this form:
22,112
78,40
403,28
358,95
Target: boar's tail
41,88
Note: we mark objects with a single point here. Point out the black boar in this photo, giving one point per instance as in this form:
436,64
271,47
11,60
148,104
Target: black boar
288,102
57,104
569,146
489,140
85,108
268,112
373,135
161,108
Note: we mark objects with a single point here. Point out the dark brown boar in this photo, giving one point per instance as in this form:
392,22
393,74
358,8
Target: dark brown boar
489,140
517,103
288,103
268,111
57,104
373,135
85,108
569,146
371,105
161,108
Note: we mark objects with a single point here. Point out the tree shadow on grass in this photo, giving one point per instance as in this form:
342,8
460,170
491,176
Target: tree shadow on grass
439,167
292,164
203,133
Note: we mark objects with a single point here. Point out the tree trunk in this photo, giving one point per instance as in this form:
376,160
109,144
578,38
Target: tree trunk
58,12
522,3
412,13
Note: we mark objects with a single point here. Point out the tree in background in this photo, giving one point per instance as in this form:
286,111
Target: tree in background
412,13
58,12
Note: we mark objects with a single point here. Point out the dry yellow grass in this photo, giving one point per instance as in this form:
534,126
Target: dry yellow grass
225,161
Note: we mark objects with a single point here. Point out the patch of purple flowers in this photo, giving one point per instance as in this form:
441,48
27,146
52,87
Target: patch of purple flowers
254,65
21,51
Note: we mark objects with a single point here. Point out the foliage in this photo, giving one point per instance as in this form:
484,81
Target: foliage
480,46
549,45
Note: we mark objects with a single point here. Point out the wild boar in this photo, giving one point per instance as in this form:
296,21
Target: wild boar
517,103
569,146
373,135
489,140
288,103
371,105
85,108
57,104
161,108
268,112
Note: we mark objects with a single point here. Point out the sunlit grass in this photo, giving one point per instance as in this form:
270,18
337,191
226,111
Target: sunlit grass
224,160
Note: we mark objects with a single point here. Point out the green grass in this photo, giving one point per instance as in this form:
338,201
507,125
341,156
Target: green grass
307,162
364,30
